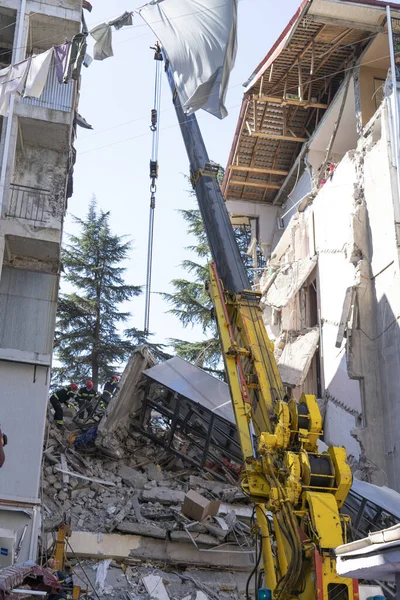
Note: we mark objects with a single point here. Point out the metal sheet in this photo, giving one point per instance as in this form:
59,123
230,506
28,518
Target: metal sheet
194,384
58,96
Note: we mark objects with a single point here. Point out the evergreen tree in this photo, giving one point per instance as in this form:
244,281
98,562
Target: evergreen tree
88,341
191,303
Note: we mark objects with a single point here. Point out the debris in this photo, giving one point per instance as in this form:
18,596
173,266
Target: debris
147,529
131,548
101,575
163,495
154,472
199,539
200,586
93,479
132,477
197,507
155,587
64,466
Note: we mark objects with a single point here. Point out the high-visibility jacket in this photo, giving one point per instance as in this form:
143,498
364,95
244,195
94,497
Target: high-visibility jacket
109,387
84,395
63,395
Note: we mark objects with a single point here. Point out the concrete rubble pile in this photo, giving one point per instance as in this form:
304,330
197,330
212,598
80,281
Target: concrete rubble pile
141,507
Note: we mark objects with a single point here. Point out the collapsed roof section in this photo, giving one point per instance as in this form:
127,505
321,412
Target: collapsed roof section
290,91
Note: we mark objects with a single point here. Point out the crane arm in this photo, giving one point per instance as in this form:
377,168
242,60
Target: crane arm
297,491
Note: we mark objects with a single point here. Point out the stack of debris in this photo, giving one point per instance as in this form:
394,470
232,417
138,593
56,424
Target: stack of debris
140,505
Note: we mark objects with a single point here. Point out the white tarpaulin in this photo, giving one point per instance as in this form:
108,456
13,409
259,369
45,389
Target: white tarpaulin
199,39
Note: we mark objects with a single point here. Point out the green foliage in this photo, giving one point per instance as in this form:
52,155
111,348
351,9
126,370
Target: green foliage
88,339
191,304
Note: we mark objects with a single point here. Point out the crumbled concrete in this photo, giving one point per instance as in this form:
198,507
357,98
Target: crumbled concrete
132,477
163,496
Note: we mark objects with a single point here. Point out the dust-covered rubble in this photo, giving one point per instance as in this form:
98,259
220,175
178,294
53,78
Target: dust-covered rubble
141,493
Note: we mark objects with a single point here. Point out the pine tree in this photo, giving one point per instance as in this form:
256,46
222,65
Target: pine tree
88,340
191,303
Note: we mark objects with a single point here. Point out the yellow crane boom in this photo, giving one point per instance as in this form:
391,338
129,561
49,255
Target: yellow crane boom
297,491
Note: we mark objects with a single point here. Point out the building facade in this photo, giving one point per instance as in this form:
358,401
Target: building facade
314,171
35,177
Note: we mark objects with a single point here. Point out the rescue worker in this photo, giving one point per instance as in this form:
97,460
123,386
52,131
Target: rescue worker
86,394
109,388
3,442
62,396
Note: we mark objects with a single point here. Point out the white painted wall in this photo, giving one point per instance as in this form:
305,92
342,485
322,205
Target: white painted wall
380,199
23,405
267,215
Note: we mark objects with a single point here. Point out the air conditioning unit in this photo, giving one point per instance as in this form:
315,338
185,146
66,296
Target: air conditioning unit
7,547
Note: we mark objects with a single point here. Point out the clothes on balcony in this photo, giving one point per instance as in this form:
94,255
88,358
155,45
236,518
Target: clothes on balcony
103,35
122,21
12,81
38,72
76,54
103,46
61,60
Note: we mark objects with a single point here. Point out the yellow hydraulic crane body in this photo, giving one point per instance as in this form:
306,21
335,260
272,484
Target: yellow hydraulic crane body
297,491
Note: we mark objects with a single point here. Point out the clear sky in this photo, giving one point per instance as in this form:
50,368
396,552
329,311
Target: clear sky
113,160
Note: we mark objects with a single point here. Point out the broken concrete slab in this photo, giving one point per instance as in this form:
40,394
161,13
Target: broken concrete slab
128,398
123,547
145,529
132,477
163,496
154,472
155,587
216,487
201,539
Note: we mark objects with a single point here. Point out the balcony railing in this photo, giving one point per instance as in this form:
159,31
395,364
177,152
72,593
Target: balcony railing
29,203
58,96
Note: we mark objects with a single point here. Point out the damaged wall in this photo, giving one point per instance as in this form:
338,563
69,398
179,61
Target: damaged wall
350,227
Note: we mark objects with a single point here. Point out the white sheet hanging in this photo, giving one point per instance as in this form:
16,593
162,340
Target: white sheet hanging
38,72
200,40
12,81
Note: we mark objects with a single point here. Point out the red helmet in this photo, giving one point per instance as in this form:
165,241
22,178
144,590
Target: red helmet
74,387
116,377
89,384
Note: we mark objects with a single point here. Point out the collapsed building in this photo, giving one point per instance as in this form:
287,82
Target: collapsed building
151,492
313,173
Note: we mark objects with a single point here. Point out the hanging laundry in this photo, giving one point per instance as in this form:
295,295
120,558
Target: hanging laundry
103,46
199,38
122,21
38,73
103,35
87,61
12,82
76,55
61,60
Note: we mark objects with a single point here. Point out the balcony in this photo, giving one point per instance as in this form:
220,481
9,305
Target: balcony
29,203
55,97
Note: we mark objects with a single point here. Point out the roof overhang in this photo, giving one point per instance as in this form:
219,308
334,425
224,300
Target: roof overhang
290,90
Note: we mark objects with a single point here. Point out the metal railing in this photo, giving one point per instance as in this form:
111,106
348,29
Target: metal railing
28,203
58,96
